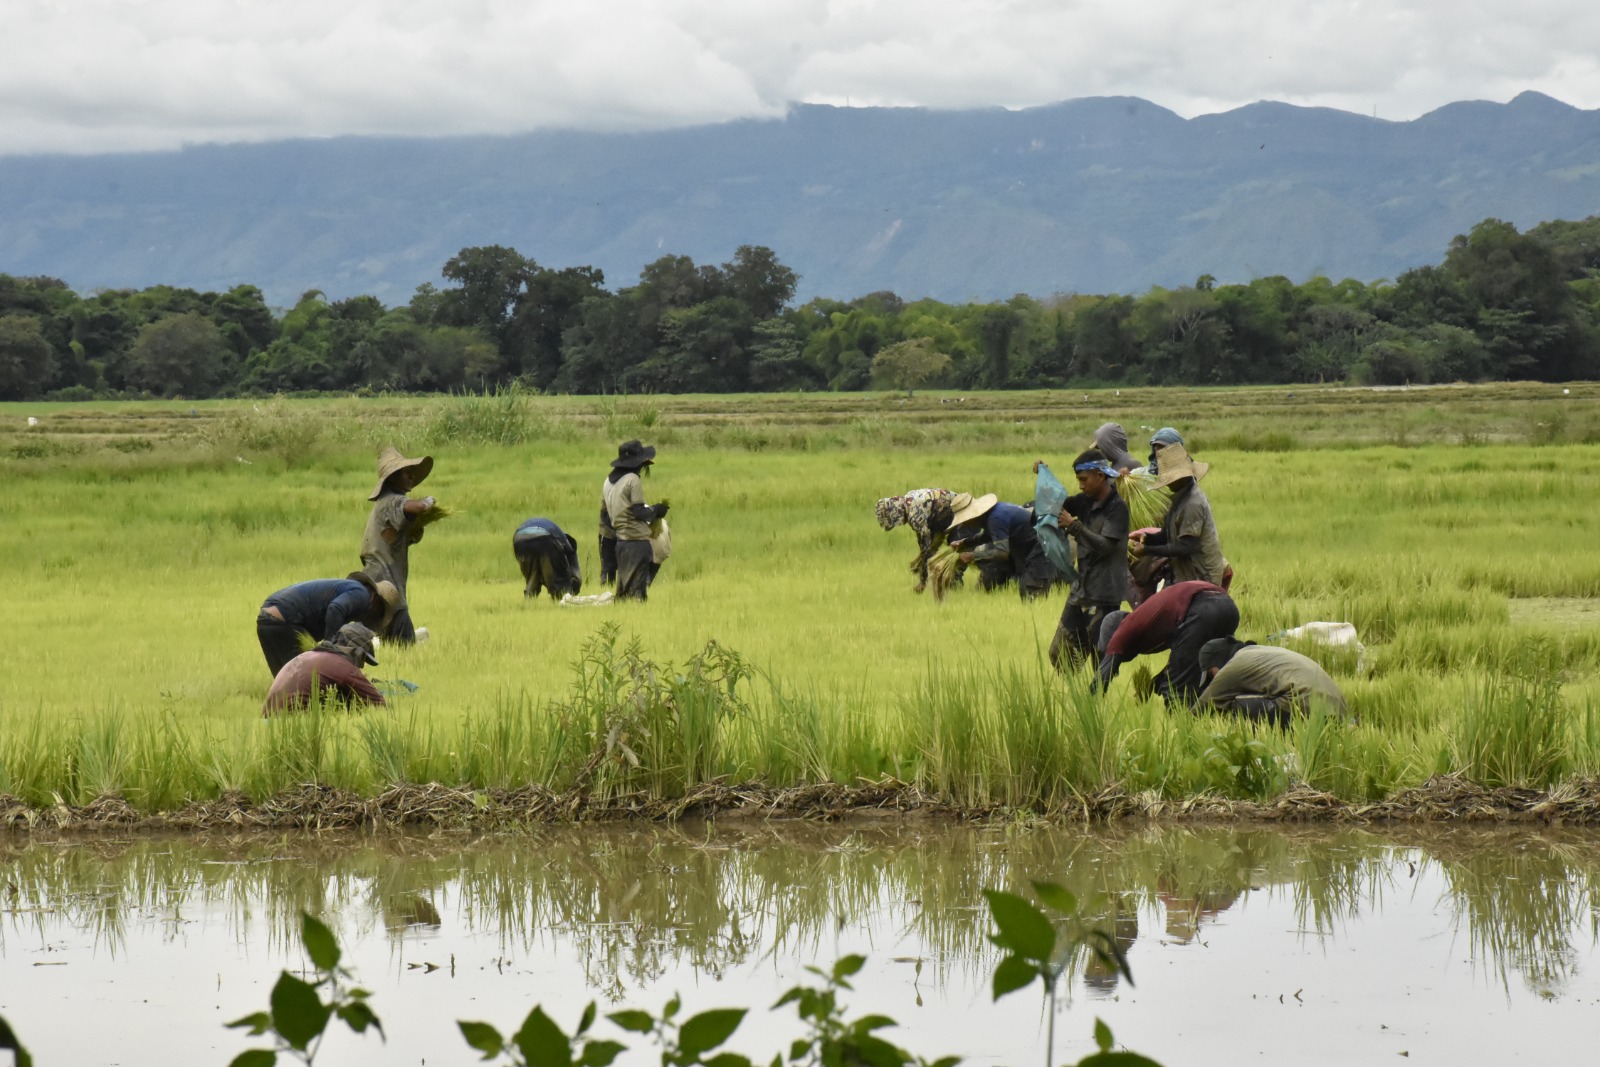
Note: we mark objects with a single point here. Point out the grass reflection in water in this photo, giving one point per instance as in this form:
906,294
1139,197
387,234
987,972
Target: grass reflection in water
632,903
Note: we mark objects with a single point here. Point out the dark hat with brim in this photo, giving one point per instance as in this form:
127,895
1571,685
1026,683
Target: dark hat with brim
355,639
1218,651
631,455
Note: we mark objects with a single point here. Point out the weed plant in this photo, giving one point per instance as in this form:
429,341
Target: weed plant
782,642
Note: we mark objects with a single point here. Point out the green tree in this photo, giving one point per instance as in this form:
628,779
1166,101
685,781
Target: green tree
180,355
997,326
908,365
757,280
602,350
703,349
245,320
27,361
550,306
1526,312
777,357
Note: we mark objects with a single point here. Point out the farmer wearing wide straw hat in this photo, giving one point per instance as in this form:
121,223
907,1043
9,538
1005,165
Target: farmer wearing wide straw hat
333,668
928,513
395,524
997,535
307,612
631,517
1188,535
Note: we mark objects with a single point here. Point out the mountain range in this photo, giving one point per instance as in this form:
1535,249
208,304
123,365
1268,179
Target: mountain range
1099,195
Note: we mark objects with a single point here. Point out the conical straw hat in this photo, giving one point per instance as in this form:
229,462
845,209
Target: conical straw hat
975,510
1174,462
390,460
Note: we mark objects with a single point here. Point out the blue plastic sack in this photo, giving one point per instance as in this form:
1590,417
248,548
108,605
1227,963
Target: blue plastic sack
1048,497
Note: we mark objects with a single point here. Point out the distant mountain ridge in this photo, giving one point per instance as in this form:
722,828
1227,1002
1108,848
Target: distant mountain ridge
1105,194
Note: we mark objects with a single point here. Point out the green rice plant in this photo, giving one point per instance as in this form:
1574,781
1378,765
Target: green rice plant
507,416
103,758
1586,738
1321,748
36,764
1147,502
1513,731
298,748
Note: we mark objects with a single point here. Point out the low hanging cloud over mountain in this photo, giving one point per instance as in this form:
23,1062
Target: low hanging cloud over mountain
85,76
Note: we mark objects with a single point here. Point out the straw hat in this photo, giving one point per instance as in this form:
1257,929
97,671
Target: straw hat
976,509
631,455
959,501
1174,462
390,460
389,593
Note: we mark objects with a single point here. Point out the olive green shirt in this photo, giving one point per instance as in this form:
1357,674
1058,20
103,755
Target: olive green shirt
1269,671
386,543
1190,516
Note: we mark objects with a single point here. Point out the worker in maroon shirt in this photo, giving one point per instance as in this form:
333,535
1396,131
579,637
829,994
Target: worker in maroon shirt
1181,617
332,670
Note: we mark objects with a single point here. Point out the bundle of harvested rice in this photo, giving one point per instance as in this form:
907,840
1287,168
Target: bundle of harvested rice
944,570
434,514
1147,502
655,525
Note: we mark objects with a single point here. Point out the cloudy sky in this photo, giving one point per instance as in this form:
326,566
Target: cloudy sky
104,75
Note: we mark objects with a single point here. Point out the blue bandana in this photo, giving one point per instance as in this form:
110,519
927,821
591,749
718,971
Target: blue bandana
1101,467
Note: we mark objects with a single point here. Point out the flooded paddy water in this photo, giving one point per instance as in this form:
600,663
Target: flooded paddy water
1450,945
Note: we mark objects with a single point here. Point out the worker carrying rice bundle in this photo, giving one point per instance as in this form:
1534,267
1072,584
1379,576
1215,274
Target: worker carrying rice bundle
307,612
927,512
632,518
331,670
395,523
1179,620
1096,520
1188,537
547,557
1000,539
1264,683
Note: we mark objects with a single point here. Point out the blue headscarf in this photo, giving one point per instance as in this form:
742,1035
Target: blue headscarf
1099,465
1161,439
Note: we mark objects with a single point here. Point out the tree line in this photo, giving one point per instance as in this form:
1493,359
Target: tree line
1501,305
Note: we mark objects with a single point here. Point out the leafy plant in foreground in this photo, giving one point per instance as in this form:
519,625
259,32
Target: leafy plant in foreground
298,1016
834,1040
542,1043
8,1041
1033,950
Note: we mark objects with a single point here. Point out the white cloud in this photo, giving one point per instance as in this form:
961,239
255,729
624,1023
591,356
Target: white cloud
94,75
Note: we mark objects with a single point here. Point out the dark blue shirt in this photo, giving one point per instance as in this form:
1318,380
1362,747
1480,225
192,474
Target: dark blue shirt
1010,522
547,525
320,607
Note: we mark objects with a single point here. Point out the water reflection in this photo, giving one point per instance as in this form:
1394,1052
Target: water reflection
635,903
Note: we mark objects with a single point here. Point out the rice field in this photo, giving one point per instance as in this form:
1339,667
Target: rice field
782,644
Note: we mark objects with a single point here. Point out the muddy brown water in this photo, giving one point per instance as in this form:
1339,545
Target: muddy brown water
1246,945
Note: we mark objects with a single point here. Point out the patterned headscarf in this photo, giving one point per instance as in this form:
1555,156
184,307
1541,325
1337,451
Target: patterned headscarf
891,511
